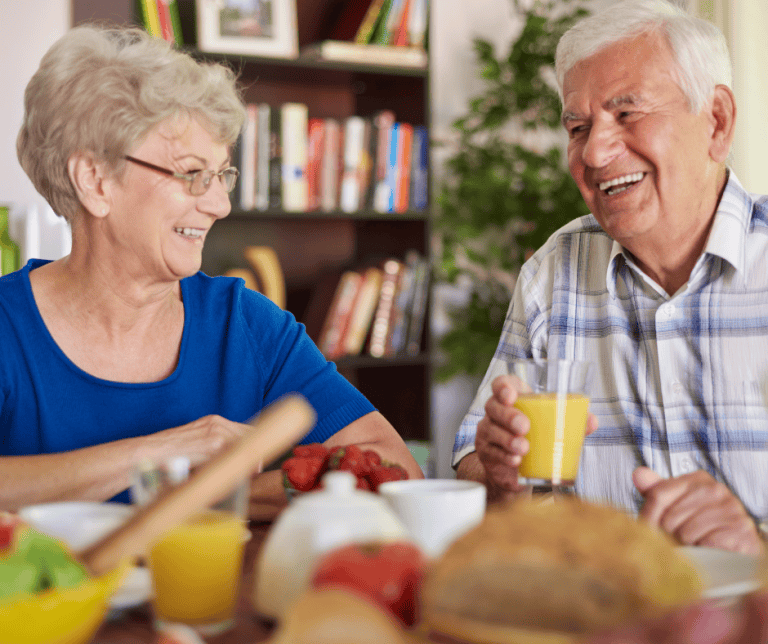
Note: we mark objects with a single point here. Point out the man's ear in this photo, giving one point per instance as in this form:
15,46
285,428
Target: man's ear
723,114
91,182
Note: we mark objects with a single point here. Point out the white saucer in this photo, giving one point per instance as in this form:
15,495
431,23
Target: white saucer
727,575
135,590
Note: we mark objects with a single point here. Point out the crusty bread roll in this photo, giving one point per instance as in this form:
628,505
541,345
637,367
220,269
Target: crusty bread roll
568,568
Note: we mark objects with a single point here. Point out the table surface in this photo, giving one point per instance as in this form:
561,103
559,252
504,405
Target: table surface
134,625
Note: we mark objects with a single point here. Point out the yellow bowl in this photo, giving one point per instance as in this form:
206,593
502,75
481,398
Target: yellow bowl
67,616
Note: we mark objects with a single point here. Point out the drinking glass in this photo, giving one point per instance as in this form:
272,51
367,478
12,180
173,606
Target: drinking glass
555,398
196,567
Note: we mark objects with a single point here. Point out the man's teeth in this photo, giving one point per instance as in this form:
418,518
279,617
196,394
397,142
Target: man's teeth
189,232
619,184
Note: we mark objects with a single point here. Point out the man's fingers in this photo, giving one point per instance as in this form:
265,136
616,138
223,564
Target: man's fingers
645,478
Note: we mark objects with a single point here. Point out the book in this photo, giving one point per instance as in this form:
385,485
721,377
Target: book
329,172
400,32
401,304
263,152
385,55
294,132
247,165
150,17
382,125
164,17
418,24
275,159
330,340
380,329
384,198
372,16
363,308
319,302
417,314
314,161
386,35
403,168
354,143
349,19
419,197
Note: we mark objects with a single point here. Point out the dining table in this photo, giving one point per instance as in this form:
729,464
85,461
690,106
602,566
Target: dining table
134,625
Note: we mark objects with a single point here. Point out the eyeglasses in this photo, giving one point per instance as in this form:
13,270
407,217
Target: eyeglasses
199,180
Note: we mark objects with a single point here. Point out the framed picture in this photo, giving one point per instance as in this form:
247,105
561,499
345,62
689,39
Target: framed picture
248,27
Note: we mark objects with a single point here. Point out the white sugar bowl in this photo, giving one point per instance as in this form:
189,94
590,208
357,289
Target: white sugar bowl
310,526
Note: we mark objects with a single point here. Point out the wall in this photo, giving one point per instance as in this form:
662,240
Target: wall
745,24
29,28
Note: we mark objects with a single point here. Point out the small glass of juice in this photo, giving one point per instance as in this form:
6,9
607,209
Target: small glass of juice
555,398
196,566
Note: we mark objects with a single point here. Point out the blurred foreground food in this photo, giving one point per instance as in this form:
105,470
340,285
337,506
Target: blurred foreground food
567,567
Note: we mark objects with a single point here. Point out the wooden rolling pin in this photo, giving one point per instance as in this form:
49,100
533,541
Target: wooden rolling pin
275,429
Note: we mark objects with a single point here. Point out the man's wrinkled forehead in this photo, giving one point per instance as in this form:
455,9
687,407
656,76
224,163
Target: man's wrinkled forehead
609,105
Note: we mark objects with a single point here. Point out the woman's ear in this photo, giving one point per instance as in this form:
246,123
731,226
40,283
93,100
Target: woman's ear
723,114
91,182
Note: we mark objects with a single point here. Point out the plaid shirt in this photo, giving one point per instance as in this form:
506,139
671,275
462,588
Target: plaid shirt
681,381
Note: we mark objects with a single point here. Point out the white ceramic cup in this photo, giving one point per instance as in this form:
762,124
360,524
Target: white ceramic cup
436,512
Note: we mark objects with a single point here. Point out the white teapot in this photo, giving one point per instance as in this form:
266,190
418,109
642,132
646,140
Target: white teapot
313,524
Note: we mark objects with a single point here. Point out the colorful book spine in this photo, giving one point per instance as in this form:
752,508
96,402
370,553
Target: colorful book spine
294,132
329,179
151,17
367,26
403,167
377,345
315,162
275,159
420,169
354,137
330,342
263,148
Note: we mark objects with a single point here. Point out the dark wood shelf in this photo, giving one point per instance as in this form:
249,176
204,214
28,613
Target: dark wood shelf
360,215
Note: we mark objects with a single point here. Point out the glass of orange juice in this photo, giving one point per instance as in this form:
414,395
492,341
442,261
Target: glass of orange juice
196,567
555,398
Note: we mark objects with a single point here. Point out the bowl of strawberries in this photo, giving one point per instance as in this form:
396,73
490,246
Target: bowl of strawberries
304,469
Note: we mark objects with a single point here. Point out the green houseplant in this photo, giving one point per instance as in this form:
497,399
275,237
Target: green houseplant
506,187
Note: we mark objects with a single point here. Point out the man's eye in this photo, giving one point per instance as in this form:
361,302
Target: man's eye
576,130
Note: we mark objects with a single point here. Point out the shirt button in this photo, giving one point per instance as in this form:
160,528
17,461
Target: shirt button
677,387
686,464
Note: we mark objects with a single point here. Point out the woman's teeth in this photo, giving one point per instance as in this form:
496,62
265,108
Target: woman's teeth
193,233
619,184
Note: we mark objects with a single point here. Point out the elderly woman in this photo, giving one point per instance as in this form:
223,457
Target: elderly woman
123,350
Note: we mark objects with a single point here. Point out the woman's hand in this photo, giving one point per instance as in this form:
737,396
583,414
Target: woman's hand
198,440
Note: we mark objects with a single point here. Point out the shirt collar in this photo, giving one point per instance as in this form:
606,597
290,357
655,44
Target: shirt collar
727,239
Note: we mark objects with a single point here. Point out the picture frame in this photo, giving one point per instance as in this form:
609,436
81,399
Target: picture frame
248,27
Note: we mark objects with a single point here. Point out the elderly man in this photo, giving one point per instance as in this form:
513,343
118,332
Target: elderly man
663,287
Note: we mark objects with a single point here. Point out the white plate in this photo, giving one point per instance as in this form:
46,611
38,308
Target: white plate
136,589
726,574
82,523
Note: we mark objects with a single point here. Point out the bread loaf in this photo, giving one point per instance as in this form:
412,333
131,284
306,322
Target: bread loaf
566,567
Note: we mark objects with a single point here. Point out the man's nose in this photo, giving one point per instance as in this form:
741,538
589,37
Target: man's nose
603,145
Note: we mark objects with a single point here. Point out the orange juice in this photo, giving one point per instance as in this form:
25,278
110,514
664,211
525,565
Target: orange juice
547,452
196,569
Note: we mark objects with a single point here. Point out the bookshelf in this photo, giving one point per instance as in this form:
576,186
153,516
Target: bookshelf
311,244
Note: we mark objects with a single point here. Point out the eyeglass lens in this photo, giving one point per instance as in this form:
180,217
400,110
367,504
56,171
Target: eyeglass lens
202,180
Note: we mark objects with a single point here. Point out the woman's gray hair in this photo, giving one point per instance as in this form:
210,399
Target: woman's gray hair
699,48
102,89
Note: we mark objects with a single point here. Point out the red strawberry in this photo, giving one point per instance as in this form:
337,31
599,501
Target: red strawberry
384,473
301,473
